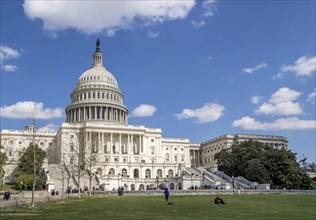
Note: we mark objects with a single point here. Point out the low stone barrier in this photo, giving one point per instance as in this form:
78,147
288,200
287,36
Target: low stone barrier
24,199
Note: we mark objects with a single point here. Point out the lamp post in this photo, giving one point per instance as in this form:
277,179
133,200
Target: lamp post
167,183
21,183
203,179
118,180
233,182
157,179
145,182
192,180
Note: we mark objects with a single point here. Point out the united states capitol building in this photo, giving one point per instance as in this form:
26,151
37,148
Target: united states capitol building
97,136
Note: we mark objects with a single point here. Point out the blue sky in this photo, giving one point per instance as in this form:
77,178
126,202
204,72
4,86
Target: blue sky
196,69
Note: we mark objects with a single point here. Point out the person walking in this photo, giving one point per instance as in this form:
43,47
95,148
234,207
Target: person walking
166,192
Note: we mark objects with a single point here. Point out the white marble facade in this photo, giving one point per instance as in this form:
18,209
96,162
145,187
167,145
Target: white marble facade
124,155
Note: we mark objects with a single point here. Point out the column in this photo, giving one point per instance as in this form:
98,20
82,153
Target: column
111,142
90,109
84,113
95,113
120,143
140,144
132,142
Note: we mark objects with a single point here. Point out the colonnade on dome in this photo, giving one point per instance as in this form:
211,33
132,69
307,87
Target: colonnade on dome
96,113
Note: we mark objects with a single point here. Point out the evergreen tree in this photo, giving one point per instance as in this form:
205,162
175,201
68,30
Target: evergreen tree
264,164
3,160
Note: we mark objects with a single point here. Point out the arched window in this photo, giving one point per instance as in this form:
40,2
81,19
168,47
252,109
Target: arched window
111,172
93,95
105,148
170,173
148,173
102,95
136,173
98,95
159,173
124,172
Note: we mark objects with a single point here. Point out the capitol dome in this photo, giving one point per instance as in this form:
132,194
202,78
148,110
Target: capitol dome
97,96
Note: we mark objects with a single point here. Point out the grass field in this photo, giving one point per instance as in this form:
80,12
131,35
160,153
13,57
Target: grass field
298,207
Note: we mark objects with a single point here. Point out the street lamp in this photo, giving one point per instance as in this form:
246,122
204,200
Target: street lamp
167,181
192,180
157,179
145,182
21,183
203,179
118,180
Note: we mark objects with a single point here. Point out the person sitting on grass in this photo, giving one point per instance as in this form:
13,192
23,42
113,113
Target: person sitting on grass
218,201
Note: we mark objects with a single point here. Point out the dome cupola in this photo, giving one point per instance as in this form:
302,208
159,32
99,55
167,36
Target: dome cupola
97,96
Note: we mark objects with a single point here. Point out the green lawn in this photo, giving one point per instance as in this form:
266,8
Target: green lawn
298,207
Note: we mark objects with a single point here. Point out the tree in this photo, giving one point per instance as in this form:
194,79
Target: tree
26,163
84,153
262,163
3,160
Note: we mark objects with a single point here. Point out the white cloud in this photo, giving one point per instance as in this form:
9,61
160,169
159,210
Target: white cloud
143,111
256,99
304,66
208,113
9,68
49,128
27,109
251,70
293,123
101,16
284,94
282,103
207,59
209,8
312,97
198,24
7,53
151,34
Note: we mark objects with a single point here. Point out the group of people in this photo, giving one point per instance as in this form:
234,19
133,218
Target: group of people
54,193
218,200
6,196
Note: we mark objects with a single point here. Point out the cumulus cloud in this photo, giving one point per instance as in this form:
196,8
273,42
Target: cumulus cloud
9,68
282,103
256,99
29,109
104,16
143,111
312,97
151,34
304,66
293,123
208,113
209,8
7,53
198,24
49,128
251,70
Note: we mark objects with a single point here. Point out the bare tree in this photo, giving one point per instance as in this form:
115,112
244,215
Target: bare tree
84,156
